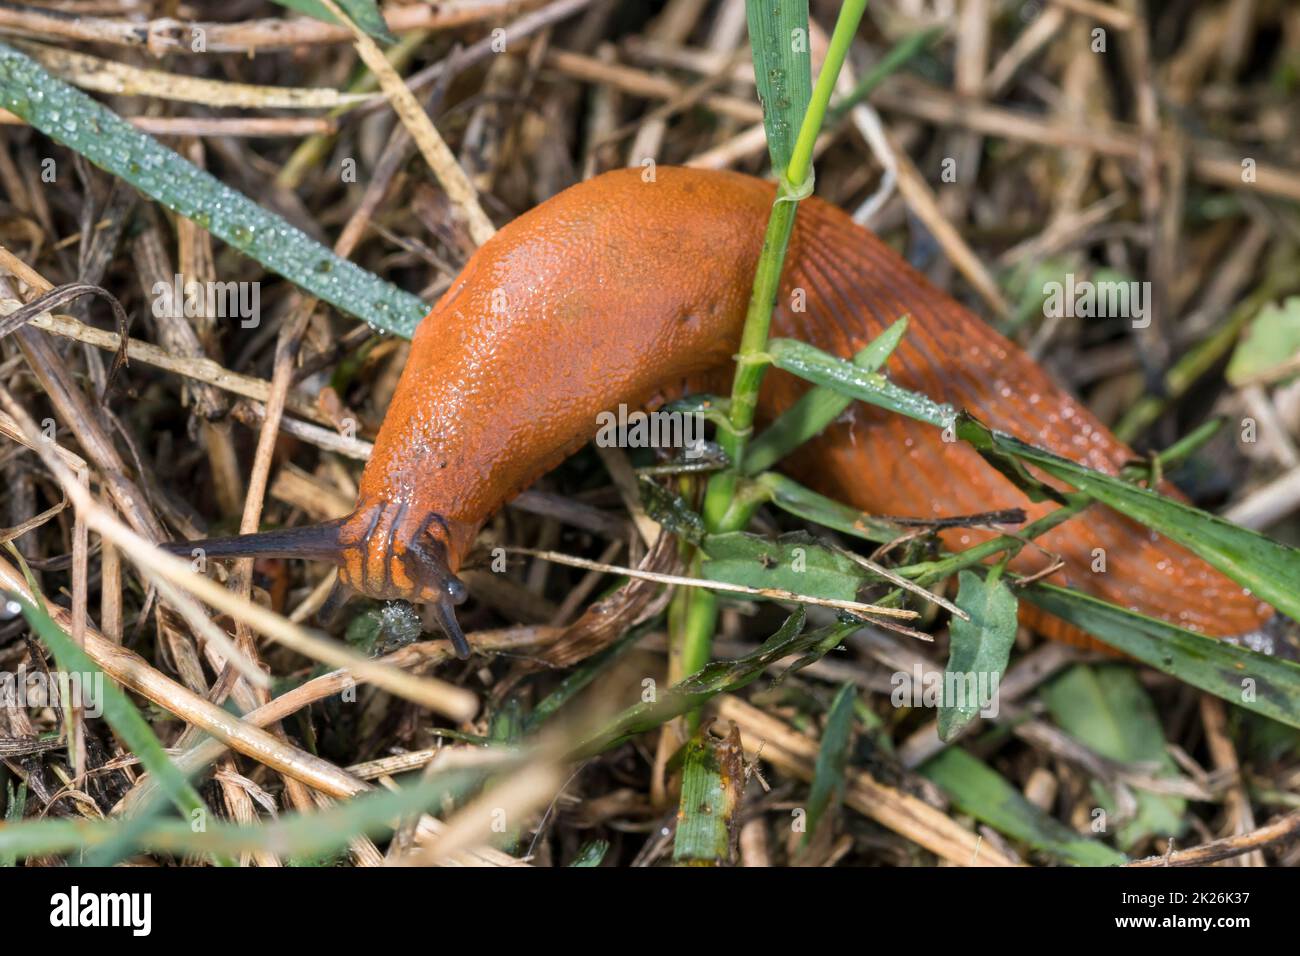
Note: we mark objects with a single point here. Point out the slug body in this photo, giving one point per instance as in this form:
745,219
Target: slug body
623,291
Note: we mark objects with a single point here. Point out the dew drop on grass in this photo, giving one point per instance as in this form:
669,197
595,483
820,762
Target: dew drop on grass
108,141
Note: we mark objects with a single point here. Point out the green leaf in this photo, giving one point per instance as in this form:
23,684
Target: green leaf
789,495
1271,342
1269,569
979,649
817,408
979,790
1257,682
364,13
1108,710
827,790
793,562
783,70
72,118
822,368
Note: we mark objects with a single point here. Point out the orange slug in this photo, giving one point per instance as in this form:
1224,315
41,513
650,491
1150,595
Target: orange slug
622,290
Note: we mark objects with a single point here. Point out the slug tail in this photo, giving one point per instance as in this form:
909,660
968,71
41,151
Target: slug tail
855,287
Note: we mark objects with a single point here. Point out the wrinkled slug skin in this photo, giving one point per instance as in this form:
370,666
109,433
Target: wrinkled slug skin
619,290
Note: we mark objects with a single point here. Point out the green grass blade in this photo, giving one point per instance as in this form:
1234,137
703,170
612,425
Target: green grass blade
698,614
72,118
832,758
713,776
299,835
120,713
789,495
778,39
821,368
897,57
979,651
718,677
977,789
579,678
1269,569
817,408
1266,685
837,51
15,807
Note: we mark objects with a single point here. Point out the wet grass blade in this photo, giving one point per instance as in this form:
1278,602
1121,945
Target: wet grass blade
79,122
782,71
977,789
1268,568
1258,682
817,408
822,368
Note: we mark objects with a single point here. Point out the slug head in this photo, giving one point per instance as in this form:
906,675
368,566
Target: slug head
389,552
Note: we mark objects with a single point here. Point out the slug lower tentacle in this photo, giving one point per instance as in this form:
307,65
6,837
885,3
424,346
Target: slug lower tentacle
624,288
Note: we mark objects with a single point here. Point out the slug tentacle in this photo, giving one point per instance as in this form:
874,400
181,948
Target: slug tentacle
316,542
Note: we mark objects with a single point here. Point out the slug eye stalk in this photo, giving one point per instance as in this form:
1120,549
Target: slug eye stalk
317,542
446,613
426,565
